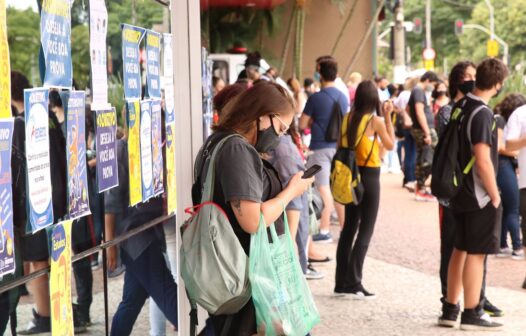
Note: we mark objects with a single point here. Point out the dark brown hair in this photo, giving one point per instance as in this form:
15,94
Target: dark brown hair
456,76
509,104
490,73
264,98
329,70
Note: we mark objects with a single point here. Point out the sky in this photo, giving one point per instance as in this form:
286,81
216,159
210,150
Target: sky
23,4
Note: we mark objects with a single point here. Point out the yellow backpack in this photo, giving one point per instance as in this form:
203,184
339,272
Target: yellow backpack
345,181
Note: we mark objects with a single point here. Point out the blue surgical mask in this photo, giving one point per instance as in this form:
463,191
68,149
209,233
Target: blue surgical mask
317,76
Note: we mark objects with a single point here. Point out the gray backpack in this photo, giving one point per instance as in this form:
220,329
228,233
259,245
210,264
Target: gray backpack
214,265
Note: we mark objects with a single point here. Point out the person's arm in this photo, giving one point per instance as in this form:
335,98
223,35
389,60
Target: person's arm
109,234
486,171
305,122
503,150
248,212
516,144
421,118
513,137
384,127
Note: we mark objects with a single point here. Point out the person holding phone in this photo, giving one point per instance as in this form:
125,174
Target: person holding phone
365,131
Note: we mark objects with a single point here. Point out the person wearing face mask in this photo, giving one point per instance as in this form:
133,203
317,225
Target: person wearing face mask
440,97
461,82
477,206
423,131
246,186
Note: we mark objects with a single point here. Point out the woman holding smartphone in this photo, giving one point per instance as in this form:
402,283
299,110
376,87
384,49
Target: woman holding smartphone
365,130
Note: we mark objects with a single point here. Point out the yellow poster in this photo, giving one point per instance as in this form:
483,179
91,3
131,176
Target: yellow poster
5,71
134,152
60,280
170,168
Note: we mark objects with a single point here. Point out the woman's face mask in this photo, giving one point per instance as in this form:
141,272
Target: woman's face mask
267,139
467,87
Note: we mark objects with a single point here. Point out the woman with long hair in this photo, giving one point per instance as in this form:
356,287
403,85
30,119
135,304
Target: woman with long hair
300,97
365,131
507,181
245,185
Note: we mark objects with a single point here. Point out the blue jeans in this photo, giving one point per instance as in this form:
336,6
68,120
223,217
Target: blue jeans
410,157
146,276
509,191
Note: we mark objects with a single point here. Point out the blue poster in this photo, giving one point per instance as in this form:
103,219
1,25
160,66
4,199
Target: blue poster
7,239
55,36
157,147
74,108
40,207
131,37
106,135
153,64
146,150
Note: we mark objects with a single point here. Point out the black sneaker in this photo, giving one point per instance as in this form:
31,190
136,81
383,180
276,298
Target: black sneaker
492,310
449,315
80,320
477,319
39,324
358,293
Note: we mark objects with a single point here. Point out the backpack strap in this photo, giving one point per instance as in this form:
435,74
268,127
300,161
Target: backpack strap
471,162
344,141
208,186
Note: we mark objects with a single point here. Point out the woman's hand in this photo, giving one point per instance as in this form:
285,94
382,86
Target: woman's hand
298,185
387,109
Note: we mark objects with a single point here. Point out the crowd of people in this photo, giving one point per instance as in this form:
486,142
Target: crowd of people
282,128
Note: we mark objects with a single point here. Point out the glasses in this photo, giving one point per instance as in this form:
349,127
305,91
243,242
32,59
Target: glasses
283,127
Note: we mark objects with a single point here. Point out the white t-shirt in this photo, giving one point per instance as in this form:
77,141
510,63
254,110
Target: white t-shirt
402,100
515,129
340,85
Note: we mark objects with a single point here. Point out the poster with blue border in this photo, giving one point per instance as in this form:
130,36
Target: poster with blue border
74,108
7,239
106,135
146,150
153,64
39,196
55,36
157,147
131,67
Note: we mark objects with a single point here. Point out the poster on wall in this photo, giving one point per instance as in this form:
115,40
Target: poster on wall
74,107
106,135
131,37
157,147
55,36
146,150
60,279
153,64
169,124
40,207
97,43
5,70
134,151
7,239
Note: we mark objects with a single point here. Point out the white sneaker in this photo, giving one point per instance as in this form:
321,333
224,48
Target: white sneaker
312,274
517,254
504,253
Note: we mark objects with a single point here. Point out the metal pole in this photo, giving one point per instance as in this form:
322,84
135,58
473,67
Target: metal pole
428,24
491,19
399,70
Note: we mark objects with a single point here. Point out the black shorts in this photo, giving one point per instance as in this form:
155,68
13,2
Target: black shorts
478,232
35,247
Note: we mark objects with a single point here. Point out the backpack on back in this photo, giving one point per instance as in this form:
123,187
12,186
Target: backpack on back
447,173
332,133
345,180
214,265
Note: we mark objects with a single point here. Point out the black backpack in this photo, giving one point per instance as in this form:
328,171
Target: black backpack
332,133
447,172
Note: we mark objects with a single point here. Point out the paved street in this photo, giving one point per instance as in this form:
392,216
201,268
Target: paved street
402,269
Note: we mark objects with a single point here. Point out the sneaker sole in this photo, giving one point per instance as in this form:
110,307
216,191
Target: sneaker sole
447,323
324,241
473,327
349,296
422,199
517,258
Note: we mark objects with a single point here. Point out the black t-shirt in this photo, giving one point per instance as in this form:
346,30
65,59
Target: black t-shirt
478,126
241,174
418,95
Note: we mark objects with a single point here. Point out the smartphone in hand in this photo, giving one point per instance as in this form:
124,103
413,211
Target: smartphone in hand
311,171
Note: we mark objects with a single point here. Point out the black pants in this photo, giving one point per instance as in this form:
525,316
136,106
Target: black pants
447,242
522,211
82,241
359,222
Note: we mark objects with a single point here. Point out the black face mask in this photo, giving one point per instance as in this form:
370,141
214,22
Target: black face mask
438,94
467,87
268,139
